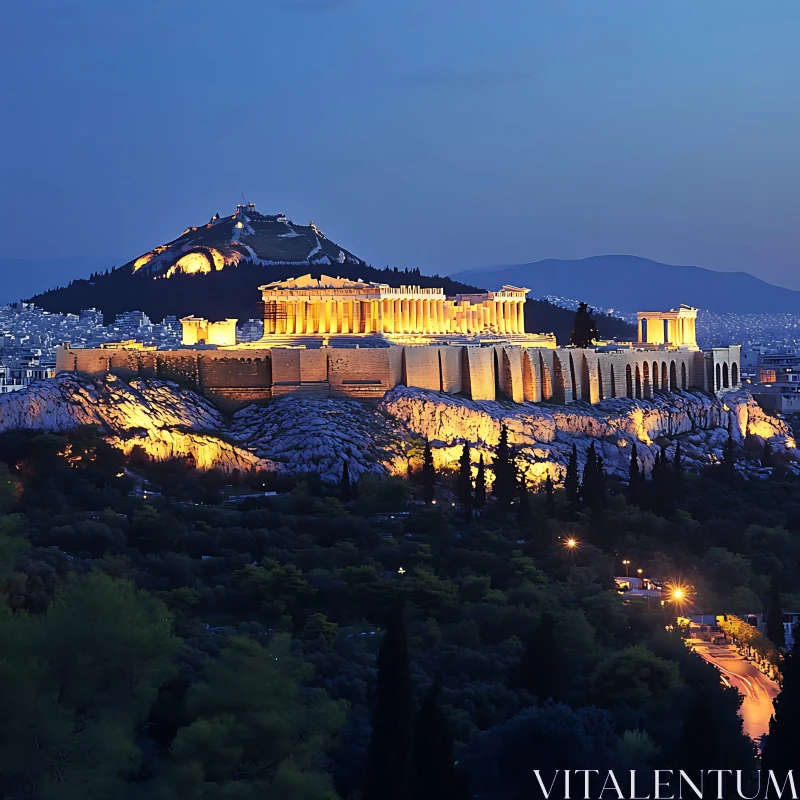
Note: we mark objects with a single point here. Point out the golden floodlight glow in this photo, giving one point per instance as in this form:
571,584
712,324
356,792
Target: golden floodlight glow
571,543
190,264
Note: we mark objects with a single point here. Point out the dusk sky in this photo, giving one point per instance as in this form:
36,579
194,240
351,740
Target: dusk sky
444,134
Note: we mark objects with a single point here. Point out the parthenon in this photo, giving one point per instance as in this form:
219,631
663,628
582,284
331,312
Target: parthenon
326,305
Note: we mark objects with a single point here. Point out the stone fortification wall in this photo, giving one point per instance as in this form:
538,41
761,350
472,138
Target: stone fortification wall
236,377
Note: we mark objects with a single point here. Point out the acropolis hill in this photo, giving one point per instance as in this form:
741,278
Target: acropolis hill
335,337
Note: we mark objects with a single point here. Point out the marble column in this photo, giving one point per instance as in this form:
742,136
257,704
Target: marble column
521,317
398,316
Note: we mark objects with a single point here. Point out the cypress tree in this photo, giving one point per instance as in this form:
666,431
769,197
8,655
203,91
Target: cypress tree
504,486
549,497
584,330
428,474
677,470
571,479
539,670
435,776
523,497
480,484
345,487
780,751
766,458
729,459
464,482
635,479
775,631
390,754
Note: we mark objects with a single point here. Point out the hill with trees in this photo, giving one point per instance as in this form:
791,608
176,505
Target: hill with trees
174,643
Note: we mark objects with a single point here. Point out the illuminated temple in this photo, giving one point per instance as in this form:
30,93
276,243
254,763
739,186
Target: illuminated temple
335,337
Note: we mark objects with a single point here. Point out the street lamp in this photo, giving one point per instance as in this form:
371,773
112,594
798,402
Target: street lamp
639,571
626,564
571,543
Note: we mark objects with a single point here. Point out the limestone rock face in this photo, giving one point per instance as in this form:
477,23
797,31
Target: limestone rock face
162,418
544,435
295,434
305,435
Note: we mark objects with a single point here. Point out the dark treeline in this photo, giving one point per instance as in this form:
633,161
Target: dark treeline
356,641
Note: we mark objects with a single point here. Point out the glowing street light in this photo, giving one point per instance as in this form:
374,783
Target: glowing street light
639,571
626,564
571,543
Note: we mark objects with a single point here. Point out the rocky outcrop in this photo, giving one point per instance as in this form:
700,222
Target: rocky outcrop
160,417
295,434
544,435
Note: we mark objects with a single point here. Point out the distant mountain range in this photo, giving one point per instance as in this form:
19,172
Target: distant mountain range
630,283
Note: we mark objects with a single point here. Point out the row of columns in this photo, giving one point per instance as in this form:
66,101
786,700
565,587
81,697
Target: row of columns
395,316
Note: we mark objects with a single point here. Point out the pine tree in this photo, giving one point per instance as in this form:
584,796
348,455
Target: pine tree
766,458
480,484
584,330
428,474
464,482
780,751
775,631
635,479
549,497
504,485
435,776
571,479
345,487
390,754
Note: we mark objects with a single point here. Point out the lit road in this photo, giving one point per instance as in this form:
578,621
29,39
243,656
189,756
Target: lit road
756,688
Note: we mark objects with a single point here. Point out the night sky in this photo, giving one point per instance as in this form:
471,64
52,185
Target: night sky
443,134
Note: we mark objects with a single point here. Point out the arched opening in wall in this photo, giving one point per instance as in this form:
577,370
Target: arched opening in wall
718,378
572,378
441,372
528,378
559,389
586,381
638,387
613,383
654,376
734,374
601,395
644,331
664,376
498,391
684,382
628,381
725,383
673,376
646,380
547,380
404,368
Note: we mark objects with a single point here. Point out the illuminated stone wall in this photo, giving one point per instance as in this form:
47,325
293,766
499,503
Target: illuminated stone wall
235,377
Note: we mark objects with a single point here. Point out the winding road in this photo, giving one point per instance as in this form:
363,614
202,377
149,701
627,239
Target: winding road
758,691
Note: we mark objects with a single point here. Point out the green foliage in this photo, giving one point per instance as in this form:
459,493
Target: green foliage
635,677
255,732
77,684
